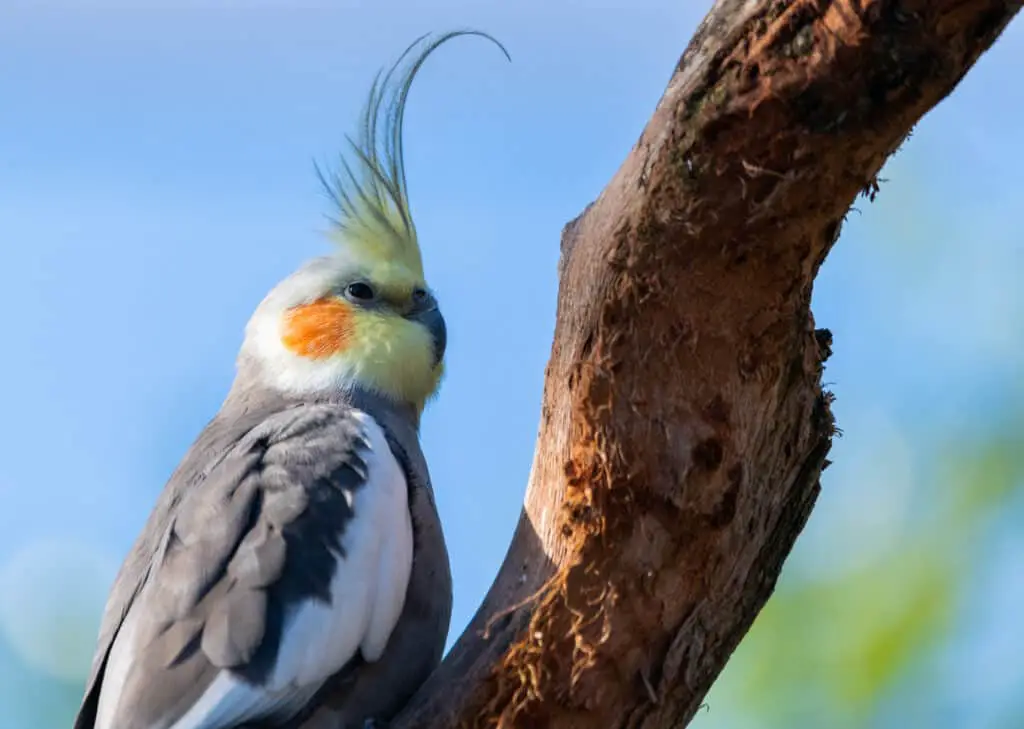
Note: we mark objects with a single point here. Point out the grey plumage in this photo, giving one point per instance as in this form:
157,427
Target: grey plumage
380,689
293,571
247,527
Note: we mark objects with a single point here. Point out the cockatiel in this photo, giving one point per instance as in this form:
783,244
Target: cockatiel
294,569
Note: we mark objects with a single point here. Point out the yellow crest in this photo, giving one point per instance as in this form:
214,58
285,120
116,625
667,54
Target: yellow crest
373,219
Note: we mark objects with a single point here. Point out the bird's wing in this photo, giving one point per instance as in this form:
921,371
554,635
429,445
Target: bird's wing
287,557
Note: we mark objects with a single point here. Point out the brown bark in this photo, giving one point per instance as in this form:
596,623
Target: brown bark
684,425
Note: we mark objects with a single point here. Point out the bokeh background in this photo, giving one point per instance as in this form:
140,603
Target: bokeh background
156,178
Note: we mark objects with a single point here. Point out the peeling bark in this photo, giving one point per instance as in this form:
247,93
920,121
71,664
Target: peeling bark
684,425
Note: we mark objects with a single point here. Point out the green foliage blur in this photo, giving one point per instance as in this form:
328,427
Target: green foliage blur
864,647
901,606
872,624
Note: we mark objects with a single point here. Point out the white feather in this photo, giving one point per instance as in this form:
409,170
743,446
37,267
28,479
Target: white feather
119,663
282,369
377,543
367,596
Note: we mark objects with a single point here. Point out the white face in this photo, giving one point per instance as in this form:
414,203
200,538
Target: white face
330,327
285,370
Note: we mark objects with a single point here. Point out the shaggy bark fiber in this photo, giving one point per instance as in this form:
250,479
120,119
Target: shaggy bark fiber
684,424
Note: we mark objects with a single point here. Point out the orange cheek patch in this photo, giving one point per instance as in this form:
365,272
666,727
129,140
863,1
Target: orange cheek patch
317,330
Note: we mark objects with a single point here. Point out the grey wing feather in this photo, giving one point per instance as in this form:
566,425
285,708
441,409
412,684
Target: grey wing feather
380,689
231,544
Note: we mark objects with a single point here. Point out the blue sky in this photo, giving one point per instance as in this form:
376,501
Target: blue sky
156,178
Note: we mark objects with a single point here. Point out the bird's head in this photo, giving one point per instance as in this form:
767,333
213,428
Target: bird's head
339,323
364,317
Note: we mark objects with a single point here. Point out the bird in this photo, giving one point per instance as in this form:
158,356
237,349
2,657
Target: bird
293,570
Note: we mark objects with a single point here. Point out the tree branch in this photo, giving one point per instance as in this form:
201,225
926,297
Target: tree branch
684,426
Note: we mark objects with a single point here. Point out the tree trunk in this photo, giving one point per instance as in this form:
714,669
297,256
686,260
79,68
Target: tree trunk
684,425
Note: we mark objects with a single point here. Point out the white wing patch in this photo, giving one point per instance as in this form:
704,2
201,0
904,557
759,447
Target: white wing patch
368,589
367,596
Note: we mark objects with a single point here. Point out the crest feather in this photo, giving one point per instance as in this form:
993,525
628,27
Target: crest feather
369,190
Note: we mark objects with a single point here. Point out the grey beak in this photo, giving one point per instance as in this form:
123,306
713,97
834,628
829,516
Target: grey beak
431,318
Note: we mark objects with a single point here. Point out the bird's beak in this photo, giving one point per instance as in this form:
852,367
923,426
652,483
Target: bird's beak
431,318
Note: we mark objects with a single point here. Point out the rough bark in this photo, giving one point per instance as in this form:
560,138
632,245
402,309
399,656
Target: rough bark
684,425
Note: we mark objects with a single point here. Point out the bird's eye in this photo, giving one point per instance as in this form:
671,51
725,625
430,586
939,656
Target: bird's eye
359,291
419,296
